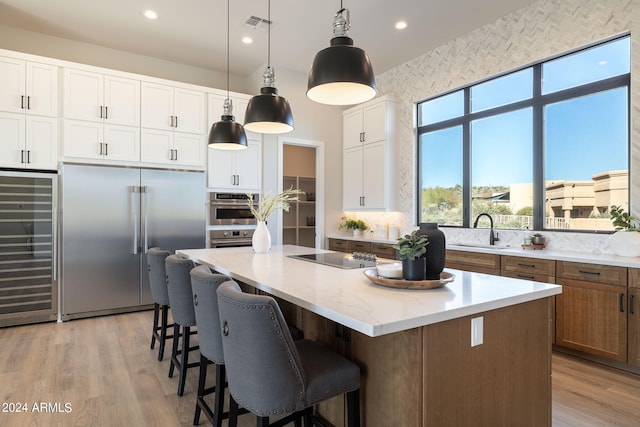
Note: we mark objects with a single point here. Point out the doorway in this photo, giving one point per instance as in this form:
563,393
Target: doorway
302,166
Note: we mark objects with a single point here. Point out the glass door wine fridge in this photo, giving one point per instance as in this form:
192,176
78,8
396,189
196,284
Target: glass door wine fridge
28,285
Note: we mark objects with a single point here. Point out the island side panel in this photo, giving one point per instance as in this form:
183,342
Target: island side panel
504,381
391,388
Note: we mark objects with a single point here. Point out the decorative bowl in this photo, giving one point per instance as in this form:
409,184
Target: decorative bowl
392,270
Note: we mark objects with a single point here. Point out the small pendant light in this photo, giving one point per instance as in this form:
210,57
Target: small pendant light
342,73
268,112
227,134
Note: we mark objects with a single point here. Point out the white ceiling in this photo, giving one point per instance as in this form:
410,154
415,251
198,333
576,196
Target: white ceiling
194,31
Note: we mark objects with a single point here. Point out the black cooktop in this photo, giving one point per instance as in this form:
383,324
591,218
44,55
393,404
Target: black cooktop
339,260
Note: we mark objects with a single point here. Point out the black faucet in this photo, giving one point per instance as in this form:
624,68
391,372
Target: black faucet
492,239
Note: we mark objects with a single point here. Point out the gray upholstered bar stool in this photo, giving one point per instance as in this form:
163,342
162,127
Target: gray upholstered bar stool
270,374
181,301
158,281
204,285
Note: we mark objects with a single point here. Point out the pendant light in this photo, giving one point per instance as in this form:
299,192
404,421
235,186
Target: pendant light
342,73
227,134
268,112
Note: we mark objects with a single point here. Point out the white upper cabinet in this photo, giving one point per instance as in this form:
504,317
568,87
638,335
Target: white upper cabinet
173,108
370,164
101,98
28,110
173,125
28,87
91,140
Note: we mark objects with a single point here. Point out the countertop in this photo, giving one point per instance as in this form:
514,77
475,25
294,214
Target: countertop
349,298
586,257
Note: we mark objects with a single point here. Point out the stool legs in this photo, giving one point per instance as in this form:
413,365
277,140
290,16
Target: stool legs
154,332
186,333
353,408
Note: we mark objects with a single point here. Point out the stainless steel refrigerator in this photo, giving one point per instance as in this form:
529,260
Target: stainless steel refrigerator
110,216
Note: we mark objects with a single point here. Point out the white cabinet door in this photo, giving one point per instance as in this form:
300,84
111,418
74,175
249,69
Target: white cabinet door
121,101
12,85
248,166
41,142
83,139
12,129
352,129
221,170
83,95
121,143
375,123
240,110
156,146
157,106
42,89
374,176
189,111
189,149
352,175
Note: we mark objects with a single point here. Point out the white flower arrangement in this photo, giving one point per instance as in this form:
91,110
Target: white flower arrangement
270,202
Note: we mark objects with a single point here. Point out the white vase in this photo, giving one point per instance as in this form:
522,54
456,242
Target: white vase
625,243
261,240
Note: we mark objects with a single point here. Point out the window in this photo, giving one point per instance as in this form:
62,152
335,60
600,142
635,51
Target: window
544,147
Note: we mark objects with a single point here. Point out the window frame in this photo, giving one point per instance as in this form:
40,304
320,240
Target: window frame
537,102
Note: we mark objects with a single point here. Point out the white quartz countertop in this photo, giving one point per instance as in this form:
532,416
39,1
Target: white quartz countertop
349,298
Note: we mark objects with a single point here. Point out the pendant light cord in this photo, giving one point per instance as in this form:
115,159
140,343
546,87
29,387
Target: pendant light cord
228,25
269,35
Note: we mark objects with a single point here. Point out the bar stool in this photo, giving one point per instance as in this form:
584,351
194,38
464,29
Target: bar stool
158,281
204,284
181,301
270,374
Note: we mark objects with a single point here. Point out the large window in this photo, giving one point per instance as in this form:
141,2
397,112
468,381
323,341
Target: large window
544,147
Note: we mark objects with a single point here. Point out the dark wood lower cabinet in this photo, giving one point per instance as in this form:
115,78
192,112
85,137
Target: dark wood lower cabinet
633,352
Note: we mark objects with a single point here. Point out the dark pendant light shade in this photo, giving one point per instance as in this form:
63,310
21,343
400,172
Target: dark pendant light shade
342,73
227,134
268,112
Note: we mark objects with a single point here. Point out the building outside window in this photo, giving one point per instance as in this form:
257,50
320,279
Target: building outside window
544,147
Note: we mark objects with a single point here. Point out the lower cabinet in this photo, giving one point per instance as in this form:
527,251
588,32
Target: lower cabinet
473,261
591,312
381,250
633,318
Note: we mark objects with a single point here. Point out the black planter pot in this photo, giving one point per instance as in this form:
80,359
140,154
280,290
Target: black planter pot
413,269
435,249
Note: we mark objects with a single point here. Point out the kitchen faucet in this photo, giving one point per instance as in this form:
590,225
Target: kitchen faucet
492,239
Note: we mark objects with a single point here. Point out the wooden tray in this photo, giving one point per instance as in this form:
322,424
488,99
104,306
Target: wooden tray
445,277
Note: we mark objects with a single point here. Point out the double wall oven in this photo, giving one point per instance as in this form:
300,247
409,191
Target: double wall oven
227,212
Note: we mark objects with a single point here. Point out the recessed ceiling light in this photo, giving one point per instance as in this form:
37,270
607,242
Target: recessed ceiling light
401,25
602,63
247,40
150,14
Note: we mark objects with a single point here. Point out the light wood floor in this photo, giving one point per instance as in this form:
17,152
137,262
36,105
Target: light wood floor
104,371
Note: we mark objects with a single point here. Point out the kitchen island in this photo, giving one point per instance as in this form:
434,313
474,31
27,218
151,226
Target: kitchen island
414,347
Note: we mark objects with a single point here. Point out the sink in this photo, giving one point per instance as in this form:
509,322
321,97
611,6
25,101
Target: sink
480,245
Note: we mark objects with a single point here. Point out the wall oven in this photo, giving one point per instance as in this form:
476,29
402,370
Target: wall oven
230,238
231,209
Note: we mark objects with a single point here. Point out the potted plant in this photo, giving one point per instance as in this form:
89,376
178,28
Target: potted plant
269,203
412,247
357,225
626,240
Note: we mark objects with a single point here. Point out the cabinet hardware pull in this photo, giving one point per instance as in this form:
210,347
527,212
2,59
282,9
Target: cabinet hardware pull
22,102
621,302
106,149
28,103
101,148
28,156
176,121
523,276
21,156
363,201
238,182
526,265
106,112
176,158
631,304
101,112
595,273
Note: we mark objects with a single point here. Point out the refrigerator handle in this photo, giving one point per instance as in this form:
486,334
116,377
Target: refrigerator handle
145,212
135,210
